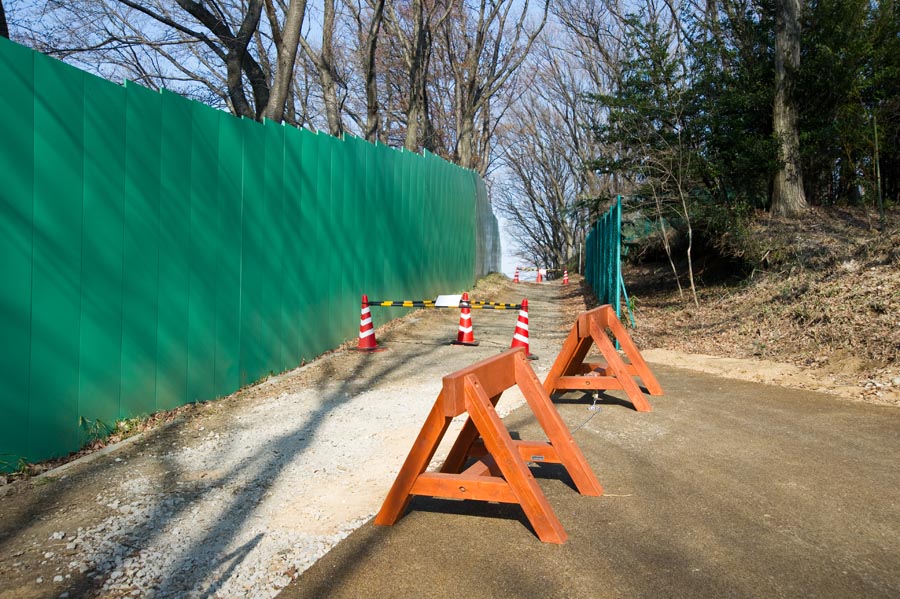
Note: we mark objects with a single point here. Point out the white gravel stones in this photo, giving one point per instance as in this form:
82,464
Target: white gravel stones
250,506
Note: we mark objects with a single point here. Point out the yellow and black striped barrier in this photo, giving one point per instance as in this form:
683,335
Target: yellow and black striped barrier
431,304
406,304
495,306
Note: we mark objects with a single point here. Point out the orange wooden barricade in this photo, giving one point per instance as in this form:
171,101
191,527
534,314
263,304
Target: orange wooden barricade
569,371
500,472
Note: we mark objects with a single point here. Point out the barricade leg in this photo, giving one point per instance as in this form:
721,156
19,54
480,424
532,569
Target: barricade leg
638,366
618,368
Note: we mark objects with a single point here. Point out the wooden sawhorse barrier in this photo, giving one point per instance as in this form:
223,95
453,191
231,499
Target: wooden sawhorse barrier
500,472
569,371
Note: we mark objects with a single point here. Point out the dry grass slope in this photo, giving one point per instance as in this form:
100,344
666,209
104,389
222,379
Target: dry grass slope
828,299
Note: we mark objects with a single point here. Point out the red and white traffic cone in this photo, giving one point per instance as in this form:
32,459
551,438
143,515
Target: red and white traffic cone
367,329
516,277
539,279
565,276
520,336
466,335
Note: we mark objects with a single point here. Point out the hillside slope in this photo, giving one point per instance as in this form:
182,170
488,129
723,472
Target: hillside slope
828,302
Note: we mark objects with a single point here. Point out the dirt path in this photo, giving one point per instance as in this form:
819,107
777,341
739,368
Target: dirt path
241,495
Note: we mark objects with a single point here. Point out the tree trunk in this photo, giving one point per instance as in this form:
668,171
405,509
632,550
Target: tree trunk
238,62
466,136
287,56
421,45
373,122
788,198
4,28
326,71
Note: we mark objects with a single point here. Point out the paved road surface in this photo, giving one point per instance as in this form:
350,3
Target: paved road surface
727,489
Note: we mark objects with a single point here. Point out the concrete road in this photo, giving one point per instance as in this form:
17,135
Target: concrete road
726,489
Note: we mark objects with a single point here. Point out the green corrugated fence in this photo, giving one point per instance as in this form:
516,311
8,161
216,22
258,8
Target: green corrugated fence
603,259
156,251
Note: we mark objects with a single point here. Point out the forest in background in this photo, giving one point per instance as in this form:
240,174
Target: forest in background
702,114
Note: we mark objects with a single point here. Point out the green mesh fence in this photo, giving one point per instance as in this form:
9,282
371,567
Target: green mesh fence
157,252
603,260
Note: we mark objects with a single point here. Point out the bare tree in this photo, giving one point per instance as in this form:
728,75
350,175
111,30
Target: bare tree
287,42
545,145
368,31
484,48
326,68
788,198
221,52
231,47
412,26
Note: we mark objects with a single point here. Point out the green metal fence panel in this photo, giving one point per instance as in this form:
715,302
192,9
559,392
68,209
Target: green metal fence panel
270,248
16,226
356,206
275,196
399,248
386,210
378,282
160,252
603,259
174,252
293,265
225,231
202,305
341,305
254,336
102,241
311,237
141,249
328,262
317,158
56,278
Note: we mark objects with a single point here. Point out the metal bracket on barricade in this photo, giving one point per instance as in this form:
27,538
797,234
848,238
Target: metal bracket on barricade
569,371
499,472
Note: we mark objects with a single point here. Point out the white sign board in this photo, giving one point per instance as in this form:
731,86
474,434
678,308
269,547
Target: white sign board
448,301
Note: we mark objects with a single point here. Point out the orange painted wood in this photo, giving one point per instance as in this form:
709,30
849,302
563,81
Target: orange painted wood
495,372
538,452
462,447
618,369
500,445
478,468
568,360
459,486
501,472
588,382
638,366
570,372
556,430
